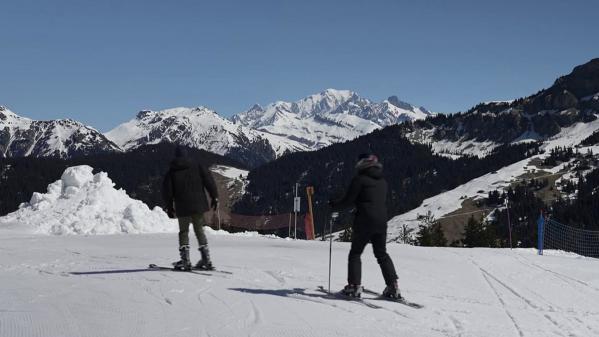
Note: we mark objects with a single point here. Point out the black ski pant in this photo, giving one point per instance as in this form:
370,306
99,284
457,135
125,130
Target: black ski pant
379,247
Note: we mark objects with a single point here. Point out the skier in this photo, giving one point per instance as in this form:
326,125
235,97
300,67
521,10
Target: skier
184,192
368,193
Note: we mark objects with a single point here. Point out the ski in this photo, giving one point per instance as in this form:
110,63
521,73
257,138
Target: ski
153,266
196,270
209,270
213,271
341,296
397,300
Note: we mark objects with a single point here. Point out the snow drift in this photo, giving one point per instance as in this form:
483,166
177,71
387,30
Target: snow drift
85,203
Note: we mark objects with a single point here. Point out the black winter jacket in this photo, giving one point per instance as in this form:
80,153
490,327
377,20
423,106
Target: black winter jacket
184,188
368,193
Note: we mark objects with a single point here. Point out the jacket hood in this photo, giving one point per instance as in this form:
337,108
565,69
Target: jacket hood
374,172
180,163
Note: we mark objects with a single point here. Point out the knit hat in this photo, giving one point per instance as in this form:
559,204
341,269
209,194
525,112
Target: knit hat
366,160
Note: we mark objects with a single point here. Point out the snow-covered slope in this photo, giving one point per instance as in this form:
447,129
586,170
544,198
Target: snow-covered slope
20,136
85,203
450,201
329,117
98,286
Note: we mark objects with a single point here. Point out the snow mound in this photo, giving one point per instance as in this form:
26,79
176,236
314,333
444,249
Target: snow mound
246,234
85,203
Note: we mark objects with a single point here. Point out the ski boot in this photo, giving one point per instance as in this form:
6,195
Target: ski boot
184,264
352,290
392,291
205,263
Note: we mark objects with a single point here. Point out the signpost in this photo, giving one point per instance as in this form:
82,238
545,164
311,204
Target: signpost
296,209
310,216
509,223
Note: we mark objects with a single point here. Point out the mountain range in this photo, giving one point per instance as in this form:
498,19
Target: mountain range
63,138
435,163
571,99
447,163
255,136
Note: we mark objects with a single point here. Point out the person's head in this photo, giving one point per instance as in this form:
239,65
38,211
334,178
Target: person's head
180,152
366,160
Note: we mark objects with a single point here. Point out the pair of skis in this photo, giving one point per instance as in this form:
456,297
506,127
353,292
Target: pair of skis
366,301
339,295
206,272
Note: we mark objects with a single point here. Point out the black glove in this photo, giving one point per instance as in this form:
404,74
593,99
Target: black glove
171,213
331,203
214,204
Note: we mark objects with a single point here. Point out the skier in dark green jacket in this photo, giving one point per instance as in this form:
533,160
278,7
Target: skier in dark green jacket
368,193
184,192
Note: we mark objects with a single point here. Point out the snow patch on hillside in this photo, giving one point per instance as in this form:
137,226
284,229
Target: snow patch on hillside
233,175
464,147
573,135
449,148
229,172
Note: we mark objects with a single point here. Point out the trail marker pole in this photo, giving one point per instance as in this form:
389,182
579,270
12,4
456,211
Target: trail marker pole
334,216
296,209
541,233
509,223
218,215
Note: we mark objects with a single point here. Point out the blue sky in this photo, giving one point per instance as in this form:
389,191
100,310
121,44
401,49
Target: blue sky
101,61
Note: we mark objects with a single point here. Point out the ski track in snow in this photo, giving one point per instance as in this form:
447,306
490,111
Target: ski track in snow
272,291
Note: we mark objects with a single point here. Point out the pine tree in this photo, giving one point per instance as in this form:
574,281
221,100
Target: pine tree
430,233
406,235
346,236
475,234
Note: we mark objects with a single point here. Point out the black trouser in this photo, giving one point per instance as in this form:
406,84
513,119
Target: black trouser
379,243
198,227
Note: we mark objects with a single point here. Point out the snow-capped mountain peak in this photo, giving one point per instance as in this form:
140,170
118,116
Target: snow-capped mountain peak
394,100
198,127
327,117
22,136
321,103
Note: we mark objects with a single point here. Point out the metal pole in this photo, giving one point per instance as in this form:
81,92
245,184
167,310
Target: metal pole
295,221
289,234
509,223
541,232
218,215
333,217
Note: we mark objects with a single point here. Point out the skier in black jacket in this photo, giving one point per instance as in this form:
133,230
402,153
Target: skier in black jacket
368,193
184,192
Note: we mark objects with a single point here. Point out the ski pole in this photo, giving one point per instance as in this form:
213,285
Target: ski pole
334,216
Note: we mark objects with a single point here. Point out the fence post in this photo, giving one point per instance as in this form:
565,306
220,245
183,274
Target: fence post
541,232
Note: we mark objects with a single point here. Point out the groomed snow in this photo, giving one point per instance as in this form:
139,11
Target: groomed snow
72,286
85,203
